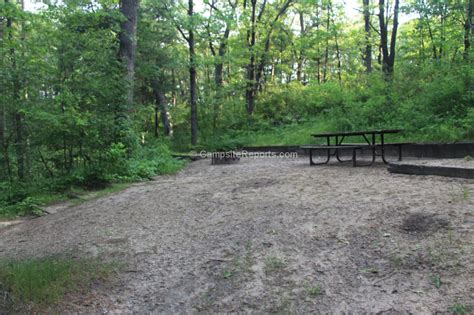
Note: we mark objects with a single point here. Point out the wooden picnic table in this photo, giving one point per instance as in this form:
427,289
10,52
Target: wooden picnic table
335,141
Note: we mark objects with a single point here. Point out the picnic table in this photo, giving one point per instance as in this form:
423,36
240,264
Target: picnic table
373,140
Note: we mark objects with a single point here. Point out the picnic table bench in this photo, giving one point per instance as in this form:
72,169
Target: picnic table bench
335,147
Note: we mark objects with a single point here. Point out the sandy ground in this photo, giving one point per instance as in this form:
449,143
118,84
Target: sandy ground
270,235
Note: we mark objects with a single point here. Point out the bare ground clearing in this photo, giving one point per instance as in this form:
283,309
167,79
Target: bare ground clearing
270,235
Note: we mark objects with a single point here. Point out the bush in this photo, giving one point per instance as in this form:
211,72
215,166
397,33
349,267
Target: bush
153,159
117,165
15,200
432,104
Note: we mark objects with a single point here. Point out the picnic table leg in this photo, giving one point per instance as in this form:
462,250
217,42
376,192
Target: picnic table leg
337,151
354,158
372,144
319,163
382,148
311,157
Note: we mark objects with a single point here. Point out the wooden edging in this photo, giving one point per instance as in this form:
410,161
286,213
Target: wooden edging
413,169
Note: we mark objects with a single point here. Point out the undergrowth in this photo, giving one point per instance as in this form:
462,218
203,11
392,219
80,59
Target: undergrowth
36,284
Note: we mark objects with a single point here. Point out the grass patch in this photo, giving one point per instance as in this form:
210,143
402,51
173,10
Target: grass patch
314,291
227,274
436,280
466,194
458,308
290,134
39,283
274,263
245,262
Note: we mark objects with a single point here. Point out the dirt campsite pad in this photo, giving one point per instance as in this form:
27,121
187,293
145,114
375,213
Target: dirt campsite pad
270,235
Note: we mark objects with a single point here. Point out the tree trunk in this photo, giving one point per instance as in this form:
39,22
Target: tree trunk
368,44
128,42
17,117
251,38
393,39
192,76
20,147
424,17
383,36
299,69
3,127
318,49
338,51
156,127
219,67
3,143
468,29
388,54
326,54
218,73
254,70
162,108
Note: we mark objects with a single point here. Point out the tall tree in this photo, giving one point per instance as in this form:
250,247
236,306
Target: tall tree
161,107
368,43
5,28
222,39
326,50
192,75
189,38
218,45
388,52
300,57
18,114
128,41
468,28
257,61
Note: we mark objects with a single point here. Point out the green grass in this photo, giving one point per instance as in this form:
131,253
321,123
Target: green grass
466,193
297,134
227,274
40,283
436,280
274,263
314,290
458,308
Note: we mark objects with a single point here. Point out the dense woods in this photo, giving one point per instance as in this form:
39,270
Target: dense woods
94,92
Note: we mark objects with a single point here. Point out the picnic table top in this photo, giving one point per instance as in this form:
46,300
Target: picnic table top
355,133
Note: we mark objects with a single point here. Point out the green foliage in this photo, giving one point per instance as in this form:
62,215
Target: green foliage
273,264
15,200
438,109
147,161
436,280
152,160
314,290
40,283
227,274
459,309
